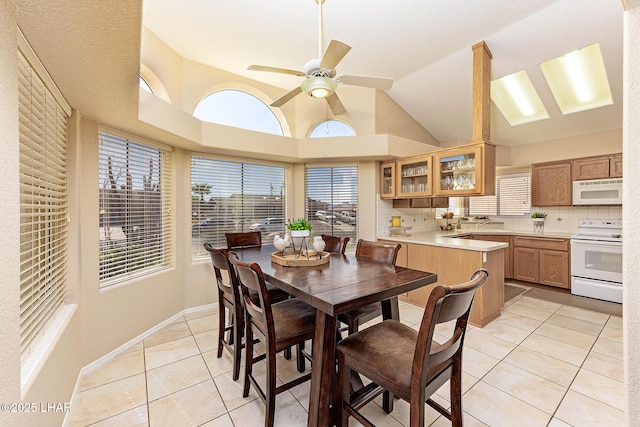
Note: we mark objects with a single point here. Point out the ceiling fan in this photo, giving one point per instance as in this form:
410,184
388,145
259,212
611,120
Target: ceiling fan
321,79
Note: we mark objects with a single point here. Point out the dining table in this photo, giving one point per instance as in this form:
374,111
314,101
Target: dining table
344,283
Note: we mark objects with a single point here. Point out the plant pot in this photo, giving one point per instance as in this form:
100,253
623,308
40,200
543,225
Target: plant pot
299,233
538,225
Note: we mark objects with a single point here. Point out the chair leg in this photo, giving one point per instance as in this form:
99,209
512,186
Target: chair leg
248,365
221,324
300,357
238,326
387,401
287,353
455,387
343,388
270,394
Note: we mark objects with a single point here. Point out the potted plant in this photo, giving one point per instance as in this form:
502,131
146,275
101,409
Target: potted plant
299,227
538,221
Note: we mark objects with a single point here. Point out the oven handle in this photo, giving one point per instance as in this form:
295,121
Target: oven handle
596,242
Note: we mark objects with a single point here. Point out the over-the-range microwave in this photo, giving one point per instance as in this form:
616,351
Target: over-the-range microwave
598,192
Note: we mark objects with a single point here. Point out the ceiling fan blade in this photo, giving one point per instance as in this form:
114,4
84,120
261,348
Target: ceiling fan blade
373,82
275,70
335,104
334,54
286,98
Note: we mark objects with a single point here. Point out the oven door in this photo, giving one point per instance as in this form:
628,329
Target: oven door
596,260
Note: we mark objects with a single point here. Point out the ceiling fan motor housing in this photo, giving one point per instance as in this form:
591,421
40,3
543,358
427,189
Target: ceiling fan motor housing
313,69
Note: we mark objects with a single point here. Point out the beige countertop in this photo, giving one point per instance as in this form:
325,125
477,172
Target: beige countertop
448,239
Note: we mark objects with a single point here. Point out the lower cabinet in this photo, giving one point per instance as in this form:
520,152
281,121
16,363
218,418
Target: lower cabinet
542,260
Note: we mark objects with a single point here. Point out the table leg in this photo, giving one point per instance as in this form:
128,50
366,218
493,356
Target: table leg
323,371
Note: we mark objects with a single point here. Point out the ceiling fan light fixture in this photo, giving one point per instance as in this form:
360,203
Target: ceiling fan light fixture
319,87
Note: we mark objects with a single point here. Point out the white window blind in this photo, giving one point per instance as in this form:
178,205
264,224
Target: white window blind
332,200
136,235
230,196
513,197
43,206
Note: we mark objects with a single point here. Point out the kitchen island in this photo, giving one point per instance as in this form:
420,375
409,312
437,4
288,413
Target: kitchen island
454,260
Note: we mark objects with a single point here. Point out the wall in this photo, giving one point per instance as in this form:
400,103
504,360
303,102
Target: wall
631,191
392,119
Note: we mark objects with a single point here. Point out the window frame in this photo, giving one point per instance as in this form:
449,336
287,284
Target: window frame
526,192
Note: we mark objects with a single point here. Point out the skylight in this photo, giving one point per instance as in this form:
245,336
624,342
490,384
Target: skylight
578,80
517,100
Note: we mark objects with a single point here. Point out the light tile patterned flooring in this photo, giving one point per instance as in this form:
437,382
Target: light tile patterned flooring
540,363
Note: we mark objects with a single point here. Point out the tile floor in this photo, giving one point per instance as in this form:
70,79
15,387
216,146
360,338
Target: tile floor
542,363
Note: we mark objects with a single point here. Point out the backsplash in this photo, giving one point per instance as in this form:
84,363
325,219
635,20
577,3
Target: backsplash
559,220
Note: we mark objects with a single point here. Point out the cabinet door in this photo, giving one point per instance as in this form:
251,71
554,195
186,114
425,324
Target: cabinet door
593,168
388,180
615,167
526,264
414,177
458,172
551,184
554,268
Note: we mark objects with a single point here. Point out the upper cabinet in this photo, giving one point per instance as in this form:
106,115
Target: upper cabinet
551,184
468,170
465,171
597,167
414,177
388,180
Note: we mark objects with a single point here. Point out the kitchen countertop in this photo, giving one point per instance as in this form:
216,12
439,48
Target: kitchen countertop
447,239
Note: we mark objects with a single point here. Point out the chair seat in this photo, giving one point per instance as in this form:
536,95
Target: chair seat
386,348
361,314
292,318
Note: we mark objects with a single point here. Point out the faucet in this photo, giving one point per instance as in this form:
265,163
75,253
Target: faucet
483,223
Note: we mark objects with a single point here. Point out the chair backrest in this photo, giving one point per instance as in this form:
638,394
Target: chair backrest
249,239
445,303
335,244
220,262
251,279
375,251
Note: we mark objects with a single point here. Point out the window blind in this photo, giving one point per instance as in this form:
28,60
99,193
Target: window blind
136,235
513,197
332,200
43,206
229,195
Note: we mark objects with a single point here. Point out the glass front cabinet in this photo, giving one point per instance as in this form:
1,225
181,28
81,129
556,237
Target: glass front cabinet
414,177
465,171
388,180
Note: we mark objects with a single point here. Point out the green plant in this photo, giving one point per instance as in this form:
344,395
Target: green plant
538,215
299,224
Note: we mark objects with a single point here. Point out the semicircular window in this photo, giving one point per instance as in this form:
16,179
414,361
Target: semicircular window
240,109
332,128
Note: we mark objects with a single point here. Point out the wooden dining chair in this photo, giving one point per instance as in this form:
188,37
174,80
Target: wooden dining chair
230,307
381,252
278,326
253,240
334,244
408,363
245,240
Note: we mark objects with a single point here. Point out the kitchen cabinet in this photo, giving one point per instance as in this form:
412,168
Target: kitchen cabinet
388,180
455,266
551,184
508,252
615,166
465,171
543,260
423,202
414,177
597,167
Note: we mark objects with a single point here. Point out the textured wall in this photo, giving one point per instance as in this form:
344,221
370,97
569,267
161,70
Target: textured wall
631,206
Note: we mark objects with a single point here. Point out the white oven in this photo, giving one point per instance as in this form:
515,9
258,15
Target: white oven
596,260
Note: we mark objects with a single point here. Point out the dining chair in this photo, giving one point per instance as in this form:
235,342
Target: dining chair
409,364
230,307
335,244
278,326
381,252
253,240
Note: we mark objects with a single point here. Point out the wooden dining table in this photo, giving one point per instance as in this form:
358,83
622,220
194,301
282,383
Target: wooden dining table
344,283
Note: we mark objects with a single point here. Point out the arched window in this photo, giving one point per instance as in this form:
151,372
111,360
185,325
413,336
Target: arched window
145,85
240,109
332,128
